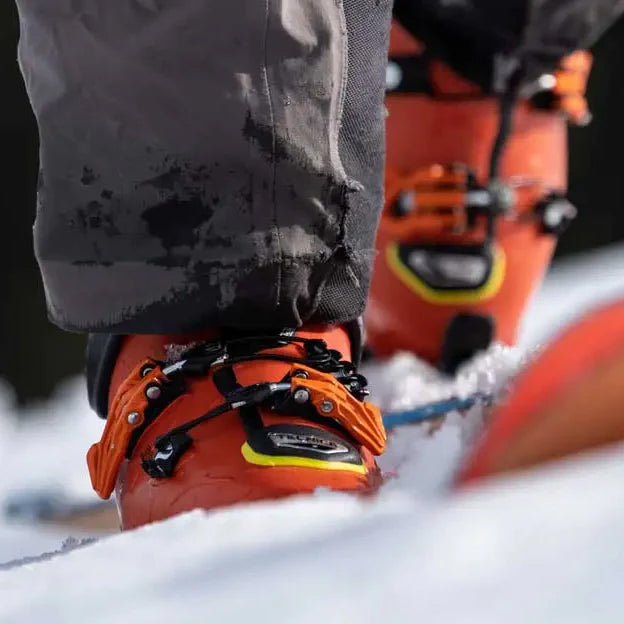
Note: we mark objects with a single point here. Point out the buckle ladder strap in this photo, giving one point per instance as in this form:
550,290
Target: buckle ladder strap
127,414
333,401
441,199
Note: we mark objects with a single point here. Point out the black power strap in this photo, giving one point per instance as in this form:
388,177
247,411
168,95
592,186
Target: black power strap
225,381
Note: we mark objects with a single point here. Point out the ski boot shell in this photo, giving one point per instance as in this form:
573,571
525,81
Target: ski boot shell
568,401
234,420
475,200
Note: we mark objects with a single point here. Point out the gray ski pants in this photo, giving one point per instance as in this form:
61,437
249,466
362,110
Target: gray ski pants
220,162
206,162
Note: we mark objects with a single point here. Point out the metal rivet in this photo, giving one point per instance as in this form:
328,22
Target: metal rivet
153,392
301,395
547,82
585,120
553,216
146,370
134,417
405,203
502,195
327,407
394,76
301,374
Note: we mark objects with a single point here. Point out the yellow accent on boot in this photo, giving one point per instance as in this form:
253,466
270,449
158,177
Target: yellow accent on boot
449,297
260,459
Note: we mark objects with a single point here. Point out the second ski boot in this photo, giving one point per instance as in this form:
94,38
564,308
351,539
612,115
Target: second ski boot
475,201
230,418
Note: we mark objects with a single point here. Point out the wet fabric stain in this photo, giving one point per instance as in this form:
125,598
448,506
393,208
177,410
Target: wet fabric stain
175,221
88,176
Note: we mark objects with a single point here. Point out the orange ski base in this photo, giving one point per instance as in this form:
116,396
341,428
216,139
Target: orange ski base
570,400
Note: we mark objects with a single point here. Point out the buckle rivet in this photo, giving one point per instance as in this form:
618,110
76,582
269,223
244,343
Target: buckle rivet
153,392
301,396
327,406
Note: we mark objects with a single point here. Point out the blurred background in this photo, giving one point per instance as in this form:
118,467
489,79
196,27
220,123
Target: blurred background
35,356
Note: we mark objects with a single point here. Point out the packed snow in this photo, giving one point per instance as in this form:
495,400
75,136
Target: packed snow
543,547
546,549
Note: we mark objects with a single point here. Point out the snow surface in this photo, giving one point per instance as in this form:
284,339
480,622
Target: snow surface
536,550
544,547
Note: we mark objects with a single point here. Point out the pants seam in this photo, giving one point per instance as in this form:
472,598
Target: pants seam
276,230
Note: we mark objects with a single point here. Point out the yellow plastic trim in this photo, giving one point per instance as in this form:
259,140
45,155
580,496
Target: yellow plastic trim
260,459
449,297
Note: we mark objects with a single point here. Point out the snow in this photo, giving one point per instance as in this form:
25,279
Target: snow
523,550
424,458
41,448
542,547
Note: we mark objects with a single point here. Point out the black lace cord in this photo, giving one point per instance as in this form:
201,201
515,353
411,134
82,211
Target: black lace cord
258,394
202,365
214,349
199,362
319,356
275,341
506,105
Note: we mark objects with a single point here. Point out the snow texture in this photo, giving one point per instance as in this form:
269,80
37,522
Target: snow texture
543,547
423,458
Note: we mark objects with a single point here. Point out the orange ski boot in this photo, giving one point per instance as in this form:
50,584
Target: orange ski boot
230,419
568,401
475,200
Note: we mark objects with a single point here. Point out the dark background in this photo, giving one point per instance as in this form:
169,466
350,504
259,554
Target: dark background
34,355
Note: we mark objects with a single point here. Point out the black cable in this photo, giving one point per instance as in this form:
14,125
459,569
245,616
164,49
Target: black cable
291,359
506,106
217,411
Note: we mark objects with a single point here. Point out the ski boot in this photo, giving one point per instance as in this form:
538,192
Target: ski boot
568,401
475,201
230,418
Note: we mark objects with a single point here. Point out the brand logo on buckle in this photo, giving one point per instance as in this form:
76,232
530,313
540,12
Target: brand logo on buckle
307,442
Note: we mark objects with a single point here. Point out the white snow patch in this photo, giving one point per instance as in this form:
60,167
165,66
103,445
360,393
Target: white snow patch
43,455
541,548
46,448
424,457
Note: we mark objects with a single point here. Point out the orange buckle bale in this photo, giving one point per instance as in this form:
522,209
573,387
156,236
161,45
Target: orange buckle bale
440,198
126,415
332,400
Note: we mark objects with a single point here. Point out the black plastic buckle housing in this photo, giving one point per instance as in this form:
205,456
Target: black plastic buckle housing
168,452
